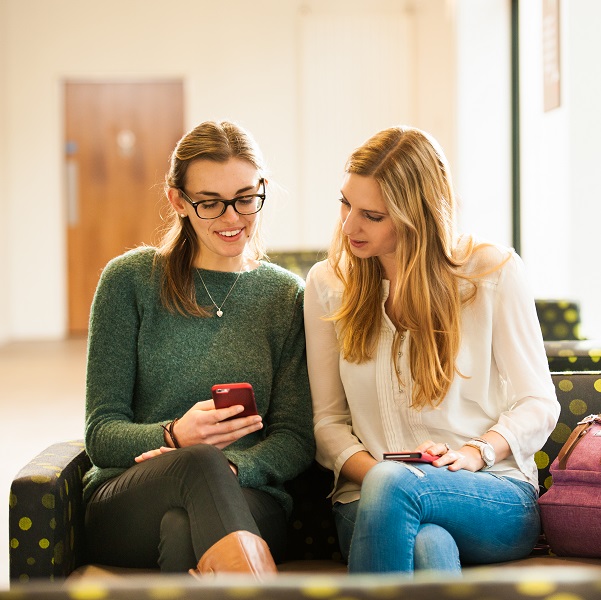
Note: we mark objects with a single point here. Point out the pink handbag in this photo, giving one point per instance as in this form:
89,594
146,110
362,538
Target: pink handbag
571,508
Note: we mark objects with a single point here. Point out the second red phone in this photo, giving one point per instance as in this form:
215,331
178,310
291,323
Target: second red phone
230,394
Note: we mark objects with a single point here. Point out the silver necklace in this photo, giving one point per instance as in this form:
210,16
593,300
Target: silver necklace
219,311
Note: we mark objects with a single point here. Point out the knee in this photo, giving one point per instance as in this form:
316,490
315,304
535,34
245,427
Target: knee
391,484
176,552
383,480
175,521
203,452
381,472
435,548
432,539
198,461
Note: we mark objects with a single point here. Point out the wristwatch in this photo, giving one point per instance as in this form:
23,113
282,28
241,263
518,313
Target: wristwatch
487,452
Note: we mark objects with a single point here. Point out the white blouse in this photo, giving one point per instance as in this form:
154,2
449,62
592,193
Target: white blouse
506,385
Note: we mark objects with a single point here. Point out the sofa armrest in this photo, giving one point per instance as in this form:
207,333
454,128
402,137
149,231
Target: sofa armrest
46,514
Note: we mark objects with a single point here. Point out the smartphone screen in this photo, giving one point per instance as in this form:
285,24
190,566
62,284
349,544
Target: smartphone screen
230,394
410,456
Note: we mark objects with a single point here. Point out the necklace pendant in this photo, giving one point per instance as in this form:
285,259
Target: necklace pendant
219,311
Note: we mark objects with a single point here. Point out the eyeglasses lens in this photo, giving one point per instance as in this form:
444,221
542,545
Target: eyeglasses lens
245,205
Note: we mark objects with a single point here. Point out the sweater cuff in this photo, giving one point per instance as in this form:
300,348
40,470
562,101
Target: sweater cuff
242,464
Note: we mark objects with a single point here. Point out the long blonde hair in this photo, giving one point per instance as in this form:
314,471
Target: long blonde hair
179,246
416,186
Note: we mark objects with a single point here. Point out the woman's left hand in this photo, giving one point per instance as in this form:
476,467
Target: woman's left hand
469,458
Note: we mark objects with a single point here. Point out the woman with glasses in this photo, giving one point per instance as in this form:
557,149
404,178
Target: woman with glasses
424,346
175,481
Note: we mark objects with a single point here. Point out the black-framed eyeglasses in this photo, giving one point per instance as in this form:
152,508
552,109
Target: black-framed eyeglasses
247,204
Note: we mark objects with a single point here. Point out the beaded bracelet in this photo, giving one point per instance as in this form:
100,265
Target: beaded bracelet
169,429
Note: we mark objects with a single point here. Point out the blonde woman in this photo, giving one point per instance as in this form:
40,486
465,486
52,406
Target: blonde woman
177,483
421,340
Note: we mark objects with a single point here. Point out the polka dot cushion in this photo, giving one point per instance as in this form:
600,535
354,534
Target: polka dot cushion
559,319
574,355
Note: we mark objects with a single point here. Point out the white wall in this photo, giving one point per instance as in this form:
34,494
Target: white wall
560,159
341,103
457,75
546,227
483,122
239,60
251,82
4,197
582,208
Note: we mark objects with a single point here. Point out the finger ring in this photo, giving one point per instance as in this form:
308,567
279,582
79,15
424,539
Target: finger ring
447,447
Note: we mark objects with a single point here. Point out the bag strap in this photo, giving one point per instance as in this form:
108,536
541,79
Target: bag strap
581,428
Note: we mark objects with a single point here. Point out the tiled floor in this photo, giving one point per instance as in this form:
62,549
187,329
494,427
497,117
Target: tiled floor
42,388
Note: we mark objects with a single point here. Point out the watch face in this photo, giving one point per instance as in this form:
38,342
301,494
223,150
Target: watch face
488,454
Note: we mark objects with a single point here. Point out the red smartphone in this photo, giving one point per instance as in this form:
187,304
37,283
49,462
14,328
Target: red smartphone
410,456
229,394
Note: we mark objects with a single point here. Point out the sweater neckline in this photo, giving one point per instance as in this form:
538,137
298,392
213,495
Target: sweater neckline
231,273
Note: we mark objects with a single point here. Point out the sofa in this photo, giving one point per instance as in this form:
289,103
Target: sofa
532,583
573,355
565,348
559,319
46,511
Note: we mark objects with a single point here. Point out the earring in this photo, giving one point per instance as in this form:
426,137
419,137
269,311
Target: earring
183,216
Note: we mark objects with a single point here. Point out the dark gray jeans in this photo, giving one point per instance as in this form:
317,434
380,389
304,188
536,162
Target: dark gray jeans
169,510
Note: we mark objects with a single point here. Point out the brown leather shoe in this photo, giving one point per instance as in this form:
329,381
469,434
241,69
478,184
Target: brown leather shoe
237,552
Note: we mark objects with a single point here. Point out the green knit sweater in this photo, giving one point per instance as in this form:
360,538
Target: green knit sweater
147,366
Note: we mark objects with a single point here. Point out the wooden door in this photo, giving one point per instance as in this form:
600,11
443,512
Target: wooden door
118,138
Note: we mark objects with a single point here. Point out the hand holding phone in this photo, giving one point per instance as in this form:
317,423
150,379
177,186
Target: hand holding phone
410,457
230,394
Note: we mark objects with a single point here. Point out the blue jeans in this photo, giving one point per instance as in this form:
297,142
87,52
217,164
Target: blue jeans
436,519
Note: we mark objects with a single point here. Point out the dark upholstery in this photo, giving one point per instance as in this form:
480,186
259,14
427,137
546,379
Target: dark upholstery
559,319
574,355
312,532
46,512
298,262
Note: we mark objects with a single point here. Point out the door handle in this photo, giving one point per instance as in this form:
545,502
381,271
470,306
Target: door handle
72,182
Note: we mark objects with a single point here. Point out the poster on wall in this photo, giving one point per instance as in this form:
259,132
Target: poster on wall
551,63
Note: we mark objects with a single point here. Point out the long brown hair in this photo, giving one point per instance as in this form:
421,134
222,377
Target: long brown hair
416,186
179,247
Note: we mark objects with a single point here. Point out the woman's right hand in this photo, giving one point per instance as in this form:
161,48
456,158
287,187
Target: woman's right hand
205,424
152,453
